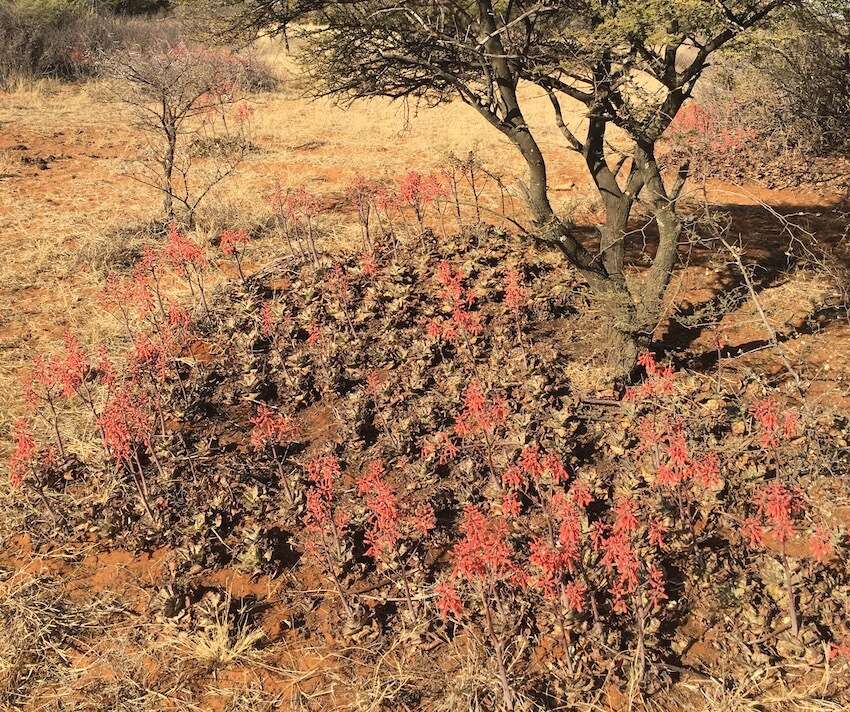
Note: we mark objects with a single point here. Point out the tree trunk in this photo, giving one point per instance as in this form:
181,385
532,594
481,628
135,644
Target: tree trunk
605,274
168,173
650,289
621,334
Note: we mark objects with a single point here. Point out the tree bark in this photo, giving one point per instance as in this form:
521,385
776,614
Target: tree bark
650,289
604,273
168,171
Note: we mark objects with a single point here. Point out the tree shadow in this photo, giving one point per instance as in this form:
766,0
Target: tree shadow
774,240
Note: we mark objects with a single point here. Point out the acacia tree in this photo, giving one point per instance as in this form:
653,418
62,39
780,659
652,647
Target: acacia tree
630,63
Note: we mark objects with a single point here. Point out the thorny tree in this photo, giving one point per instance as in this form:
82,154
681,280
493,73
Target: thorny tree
630,63
180,97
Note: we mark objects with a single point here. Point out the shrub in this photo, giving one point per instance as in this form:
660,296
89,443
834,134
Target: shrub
773,107
62,40
460,496
187,100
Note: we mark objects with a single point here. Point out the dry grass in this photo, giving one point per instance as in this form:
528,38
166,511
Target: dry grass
43,629
65,226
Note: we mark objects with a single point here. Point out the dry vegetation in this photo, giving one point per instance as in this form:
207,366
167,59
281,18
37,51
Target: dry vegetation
200,570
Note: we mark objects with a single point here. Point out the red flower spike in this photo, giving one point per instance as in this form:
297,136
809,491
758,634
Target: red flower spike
510,505
483,553
625,519
706,471
752,531
550,563
479,415
229,241
126,422
268,321
71,367
270,427
512,478
368,264
443,447
778,505
515,296
529,461
820,544
655,534
580,494
181,252
657,593
24,454
575,594
448,600
322,472
423,520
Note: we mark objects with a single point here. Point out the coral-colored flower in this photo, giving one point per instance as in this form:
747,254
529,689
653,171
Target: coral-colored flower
268,321
71,366
513,478
706,470
374,381
103,366
243,112
510,505
658,382
448,600
778,504
479,415
24,454
820,544
385,517
148,355
580,494
515,296
655,534
625,515
529,461
126,422
657,593
229,241
575,594
552,464
314,334
483,553
322,472
423,520
753,532
441,446
271,428
677,450
550,564
181,252
368,264
179,318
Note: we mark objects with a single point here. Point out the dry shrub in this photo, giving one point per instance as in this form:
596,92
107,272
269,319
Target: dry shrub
188,100
775,111
62,40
